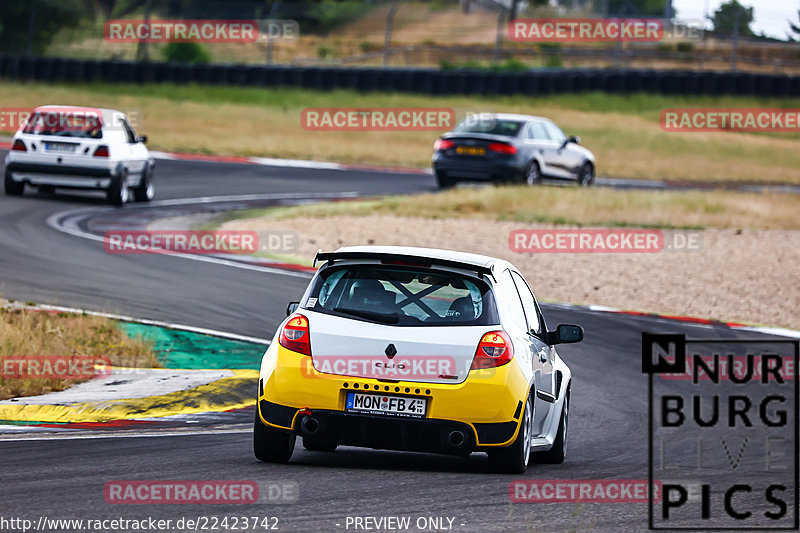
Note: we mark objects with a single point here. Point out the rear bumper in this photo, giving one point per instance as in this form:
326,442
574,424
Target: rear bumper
485,408
416,435
477,169
61,175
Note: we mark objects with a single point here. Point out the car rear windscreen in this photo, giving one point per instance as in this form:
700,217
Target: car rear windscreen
492,126
403,296
81,125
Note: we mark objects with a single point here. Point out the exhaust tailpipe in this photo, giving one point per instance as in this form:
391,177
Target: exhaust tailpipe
309,425
456,438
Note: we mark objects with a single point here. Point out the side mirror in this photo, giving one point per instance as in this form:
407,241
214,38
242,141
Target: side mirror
565,334
142,138
574,139
292,307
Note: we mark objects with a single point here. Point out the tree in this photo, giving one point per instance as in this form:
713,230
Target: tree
731,15
795,29
33,24
190,52
636,8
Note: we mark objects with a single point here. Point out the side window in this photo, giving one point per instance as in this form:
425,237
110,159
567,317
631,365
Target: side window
128,131
528,303
554,133
510,299
536,131
542,321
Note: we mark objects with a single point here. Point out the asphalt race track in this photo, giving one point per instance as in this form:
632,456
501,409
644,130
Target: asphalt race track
63,475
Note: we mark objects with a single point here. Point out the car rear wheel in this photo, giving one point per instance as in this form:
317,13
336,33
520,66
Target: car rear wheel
586,176
145,191
117,193
319,444
271,445
13,188
514,459
443,181
558,452
533,175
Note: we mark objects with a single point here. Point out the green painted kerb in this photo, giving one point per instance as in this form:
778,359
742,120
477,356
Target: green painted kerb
185,349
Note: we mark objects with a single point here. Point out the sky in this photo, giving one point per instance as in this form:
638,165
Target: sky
770,16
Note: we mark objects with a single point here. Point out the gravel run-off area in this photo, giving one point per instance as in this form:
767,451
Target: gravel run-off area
750,276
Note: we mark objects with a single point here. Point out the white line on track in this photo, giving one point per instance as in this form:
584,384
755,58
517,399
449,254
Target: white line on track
264,161
63,222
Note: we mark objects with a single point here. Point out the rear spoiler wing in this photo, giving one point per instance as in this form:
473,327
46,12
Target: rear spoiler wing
402,258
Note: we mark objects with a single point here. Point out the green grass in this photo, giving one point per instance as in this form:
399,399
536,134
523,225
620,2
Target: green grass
622,130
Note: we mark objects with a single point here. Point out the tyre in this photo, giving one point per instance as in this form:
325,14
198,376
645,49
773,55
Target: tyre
117,192
533,175
319,444
271,445
443,181
586,175
558,452
13,188
514,459
145,191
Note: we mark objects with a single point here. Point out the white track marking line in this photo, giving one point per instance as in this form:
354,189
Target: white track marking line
57,221
783,332
263,161
292,163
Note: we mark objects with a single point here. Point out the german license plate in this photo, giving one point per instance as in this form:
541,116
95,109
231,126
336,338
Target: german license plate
470,150
59,147
385,404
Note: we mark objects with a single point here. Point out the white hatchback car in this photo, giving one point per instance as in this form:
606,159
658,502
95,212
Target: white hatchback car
416,349
80,148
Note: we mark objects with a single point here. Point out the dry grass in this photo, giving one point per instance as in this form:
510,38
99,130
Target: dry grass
28,333
429,23
574,206
622,131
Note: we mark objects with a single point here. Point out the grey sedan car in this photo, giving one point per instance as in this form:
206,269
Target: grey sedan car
510,148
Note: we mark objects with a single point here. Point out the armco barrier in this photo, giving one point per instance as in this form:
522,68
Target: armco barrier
414,80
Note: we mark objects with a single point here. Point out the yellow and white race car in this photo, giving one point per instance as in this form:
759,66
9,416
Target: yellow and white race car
416,349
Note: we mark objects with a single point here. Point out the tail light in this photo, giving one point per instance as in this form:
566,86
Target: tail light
495,349
19,146
503,148
102,151
443,144
295,335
